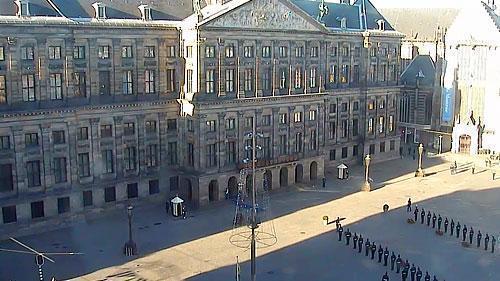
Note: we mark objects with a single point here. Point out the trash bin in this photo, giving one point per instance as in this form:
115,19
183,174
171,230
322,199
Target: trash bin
177,206
342,171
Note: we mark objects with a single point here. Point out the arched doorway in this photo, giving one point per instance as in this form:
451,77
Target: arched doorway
465,143
283,177
299,173
268,180
313,171
186,190
232,186
213,190
248,185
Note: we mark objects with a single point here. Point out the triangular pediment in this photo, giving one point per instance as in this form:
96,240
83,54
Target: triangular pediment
265,14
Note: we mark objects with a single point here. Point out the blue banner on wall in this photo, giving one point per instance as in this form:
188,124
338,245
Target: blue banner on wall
447,105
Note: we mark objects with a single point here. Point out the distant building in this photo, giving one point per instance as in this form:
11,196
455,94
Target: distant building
471,91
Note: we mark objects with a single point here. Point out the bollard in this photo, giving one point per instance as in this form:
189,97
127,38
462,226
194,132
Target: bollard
325,220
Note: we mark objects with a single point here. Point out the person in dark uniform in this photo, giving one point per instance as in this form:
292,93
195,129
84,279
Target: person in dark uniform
486,242
360,243
452,227
434,279
434,220
399,261
440,220
337,223
393,259
427,276
419,274
458,229
415,213
340,230
464,233
413,270
324,182
479,236
385,277
422,215
347,237
367,247
446,225
404,274
355,241
428,218
471,235
374,249
493,242
408,206
380,253
386,256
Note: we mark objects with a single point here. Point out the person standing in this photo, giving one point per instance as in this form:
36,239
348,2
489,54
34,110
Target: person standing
428,218
386,256
347,237
486,242
367,247
440,220
464,233
479,236
324,182
446,225
355,241
413,270
360,244
337,223
434,279
380,253
452,227
458,229
471,235
433,220
493,242
422,216
399,261
404,274
340,230
393,259
374,249
408,206
419,274
427,276
385,277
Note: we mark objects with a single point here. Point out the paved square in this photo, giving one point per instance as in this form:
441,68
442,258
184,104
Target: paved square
198,248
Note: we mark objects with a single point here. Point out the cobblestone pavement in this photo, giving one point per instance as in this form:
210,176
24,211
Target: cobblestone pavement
198,248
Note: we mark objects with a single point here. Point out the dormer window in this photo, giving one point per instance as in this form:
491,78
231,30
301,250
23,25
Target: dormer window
381,24
23,8
100,10
145,12
343,23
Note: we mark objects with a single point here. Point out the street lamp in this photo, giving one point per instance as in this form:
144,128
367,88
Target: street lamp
419,172
440,148
366,185
130,249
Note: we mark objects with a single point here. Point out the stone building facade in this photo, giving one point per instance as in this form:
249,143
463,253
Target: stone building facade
91,115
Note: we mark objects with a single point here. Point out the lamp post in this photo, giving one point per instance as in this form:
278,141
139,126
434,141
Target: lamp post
440,148
419,172
366,185
130,248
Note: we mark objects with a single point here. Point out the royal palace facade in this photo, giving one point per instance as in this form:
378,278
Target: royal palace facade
115,101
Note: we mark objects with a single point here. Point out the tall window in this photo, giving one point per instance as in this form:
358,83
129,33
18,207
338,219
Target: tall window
370,126
229,51
127,52
189,81
332,74
313,141
129,128
106,131
209,51
2,53
189,51
6,182
312,115
211,126
267,148
332,128
373,73
298,78
55,86
211,155
28,87
230,124
33,173
127,82
345,128
79,52
171,51
312,78
266,80
283,118
54,52
152,155
298,142
172,153
149,81
4,142
150,127
31,139
231,152
355,74
103,52
229,77
355,127
27,53
82,133
172,125
266,51
383,72
391,123
314,52
297,117
344,77
149,51
171,80
60,170
283,51
345,51
107,161
83,165
248,79
283,75
130,158
190,154
381,124
299,52
210,81
58,137
283,145
248,51
334,51
80,84
3,92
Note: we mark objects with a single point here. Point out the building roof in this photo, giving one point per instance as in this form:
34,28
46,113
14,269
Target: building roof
420,23
421,66
493,15
37,8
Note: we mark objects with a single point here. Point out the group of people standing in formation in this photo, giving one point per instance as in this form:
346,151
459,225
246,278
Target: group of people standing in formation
453,227
370,249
